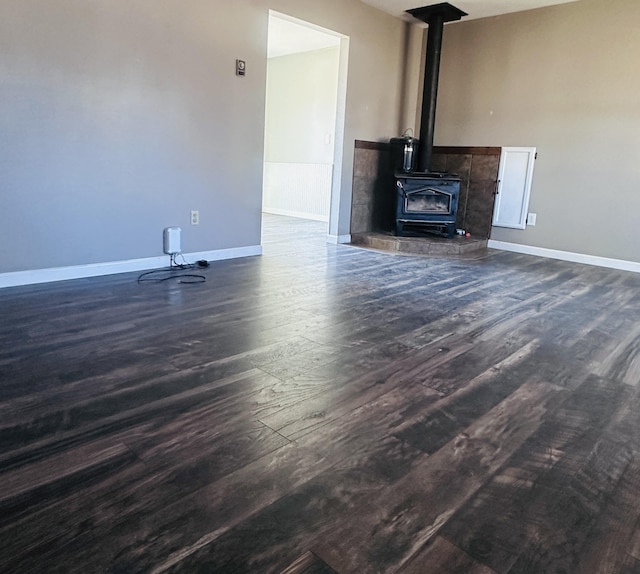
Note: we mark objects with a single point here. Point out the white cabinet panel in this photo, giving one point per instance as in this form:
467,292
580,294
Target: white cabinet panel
514,186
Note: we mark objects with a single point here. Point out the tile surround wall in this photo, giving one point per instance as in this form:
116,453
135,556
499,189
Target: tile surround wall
373,198
373,195
478,171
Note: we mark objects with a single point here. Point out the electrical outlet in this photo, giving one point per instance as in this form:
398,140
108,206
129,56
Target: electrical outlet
195,217
531,219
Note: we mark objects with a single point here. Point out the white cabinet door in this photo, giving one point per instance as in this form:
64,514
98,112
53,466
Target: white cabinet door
514,186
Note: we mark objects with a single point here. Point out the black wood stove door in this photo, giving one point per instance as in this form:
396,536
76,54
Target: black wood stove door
428,200
426,203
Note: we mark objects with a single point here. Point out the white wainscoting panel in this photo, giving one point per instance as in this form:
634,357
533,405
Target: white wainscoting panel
297,189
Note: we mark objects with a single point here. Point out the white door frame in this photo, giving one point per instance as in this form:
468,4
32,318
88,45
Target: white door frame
339,130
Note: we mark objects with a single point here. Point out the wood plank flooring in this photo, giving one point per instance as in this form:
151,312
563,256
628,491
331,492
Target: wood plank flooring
324,409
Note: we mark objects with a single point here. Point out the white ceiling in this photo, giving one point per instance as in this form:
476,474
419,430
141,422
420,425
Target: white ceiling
287,37
475,8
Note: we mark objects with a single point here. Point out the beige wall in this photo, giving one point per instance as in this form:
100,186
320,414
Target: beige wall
563,79
413,77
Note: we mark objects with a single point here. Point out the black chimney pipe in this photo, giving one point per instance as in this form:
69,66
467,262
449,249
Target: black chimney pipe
435,16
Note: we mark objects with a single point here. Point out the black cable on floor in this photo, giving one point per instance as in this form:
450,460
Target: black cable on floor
174,272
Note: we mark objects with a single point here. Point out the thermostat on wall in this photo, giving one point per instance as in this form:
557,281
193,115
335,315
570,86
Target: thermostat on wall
241,67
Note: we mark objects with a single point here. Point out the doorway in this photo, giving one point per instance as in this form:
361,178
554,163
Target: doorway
304,123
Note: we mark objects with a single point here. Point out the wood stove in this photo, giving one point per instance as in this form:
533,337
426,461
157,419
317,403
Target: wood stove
427,201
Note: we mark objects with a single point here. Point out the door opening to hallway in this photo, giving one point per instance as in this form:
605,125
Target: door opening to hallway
303,122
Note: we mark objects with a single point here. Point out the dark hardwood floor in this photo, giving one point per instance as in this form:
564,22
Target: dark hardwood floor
324,409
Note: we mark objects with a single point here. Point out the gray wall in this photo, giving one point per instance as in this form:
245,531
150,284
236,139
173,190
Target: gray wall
563,79
118,117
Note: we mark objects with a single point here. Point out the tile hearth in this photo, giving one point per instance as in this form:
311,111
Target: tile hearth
427,245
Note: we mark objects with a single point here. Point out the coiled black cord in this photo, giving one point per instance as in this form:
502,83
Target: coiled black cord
173,272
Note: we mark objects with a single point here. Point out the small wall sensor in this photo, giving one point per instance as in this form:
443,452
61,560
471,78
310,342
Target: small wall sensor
171,240
241,67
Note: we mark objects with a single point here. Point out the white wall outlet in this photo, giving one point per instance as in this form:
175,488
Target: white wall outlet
531,219
195,217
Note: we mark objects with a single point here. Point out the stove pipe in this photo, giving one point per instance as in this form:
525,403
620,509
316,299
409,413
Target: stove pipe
435,16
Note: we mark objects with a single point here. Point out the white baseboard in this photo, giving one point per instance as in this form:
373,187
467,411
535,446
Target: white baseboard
337,239
620,264
32,277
